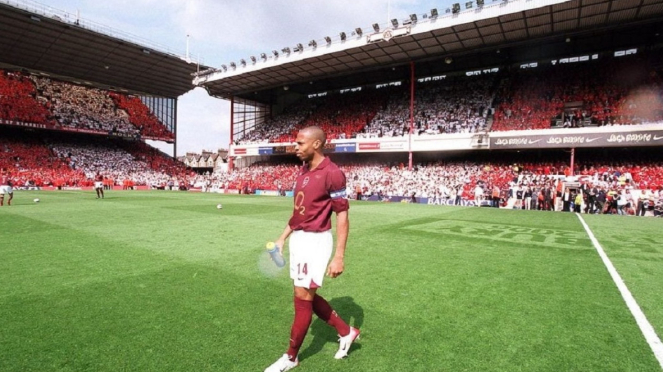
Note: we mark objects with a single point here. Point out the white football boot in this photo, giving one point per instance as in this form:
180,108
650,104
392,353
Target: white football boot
283,364
345,342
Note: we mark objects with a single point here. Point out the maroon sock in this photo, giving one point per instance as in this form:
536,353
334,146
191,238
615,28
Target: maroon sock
303,315
325,312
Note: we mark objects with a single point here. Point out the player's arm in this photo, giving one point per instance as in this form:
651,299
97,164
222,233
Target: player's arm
280,242
340,206
337,264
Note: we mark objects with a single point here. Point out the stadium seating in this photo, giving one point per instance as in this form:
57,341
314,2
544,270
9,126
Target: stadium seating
141,116
19,100
607,91
35,99
53,158
614,92
459,105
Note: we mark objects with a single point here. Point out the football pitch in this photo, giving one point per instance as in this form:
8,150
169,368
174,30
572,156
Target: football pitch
164,281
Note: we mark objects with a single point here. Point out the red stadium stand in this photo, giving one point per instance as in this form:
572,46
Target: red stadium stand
19,101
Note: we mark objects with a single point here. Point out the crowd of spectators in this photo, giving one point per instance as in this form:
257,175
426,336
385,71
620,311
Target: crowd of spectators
614,92
606,91
534,185
19,100
51,158
82,108
141,117
446,106
36,99
29,161
629,185
340,116
279,128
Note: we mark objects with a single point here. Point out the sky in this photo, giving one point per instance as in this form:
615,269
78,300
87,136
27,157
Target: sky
221,31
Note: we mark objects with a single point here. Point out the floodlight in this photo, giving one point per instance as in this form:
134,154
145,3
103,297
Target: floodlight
480,3
275,53
328,40
376,27
298,48
413,18
359,31
233,65
242,62
394,22
224,67
433,13
455,9
253,59
313,44
286,50
468,5
263,56
343,36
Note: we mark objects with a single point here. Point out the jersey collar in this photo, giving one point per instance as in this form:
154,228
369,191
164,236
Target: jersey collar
325,162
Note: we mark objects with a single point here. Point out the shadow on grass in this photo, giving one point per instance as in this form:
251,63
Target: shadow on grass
323,333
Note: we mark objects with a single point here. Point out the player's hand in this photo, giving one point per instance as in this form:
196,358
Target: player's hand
280,243
335,268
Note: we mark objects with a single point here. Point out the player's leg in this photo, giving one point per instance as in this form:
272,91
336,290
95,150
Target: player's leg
303,301
347,334
11,196
324,311
101,190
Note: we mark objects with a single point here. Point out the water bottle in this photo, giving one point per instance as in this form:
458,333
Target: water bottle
273,251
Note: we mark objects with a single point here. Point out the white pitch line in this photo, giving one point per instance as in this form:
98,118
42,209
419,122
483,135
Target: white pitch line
645,327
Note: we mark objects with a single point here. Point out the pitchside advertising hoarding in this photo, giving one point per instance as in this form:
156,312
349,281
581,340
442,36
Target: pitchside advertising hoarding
616,136
579,139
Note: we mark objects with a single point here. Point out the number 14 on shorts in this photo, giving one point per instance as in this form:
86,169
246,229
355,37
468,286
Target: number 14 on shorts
302,269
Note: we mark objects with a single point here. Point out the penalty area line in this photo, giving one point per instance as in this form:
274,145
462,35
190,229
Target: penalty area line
645,327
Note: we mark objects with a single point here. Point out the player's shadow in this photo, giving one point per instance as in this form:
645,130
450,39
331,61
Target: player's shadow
323,333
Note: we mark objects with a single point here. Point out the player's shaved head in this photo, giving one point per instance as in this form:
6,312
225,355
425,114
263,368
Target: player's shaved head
315,133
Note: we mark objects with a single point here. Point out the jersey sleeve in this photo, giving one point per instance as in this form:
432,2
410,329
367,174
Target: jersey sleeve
336,184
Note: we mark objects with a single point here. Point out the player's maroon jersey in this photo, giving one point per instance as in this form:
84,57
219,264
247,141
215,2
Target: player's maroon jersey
317,194
5,180
99,178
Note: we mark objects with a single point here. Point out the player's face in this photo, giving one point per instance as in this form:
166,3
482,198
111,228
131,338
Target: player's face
305,146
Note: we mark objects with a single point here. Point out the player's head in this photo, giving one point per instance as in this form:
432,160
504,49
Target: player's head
310,141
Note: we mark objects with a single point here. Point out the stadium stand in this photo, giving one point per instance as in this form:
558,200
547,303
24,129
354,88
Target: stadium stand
19,100
458,105
35,99
82,108
620,91
52,158
616,91
141,116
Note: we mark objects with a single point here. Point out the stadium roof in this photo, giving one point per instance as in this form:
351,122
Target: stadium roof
42,42
519,29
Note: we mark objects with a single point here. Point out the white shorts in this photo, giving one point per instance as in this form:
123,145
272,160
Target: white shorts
309,256
6,189
98,185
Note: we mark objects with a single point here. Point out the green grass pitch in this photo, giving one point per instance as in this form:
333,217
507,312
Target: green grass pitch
163,281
